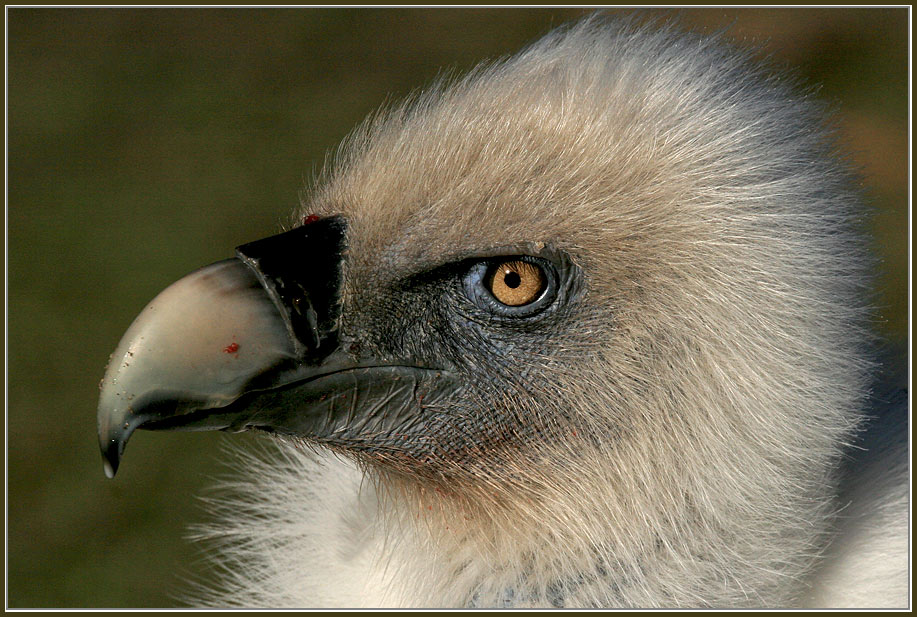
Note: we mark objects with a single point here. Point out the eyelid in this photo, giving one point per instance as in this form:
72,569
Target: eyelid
448,266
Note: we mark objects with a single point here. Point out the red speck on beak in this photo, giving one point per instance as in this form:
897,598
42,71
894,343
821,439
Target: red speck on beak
231,348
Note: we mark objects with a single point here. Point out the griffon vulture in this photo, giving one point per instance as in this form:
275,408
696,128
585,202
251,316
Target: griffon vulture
586,327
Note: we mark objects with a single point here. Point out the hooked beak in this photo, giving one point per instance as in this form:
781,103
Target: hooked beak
253,342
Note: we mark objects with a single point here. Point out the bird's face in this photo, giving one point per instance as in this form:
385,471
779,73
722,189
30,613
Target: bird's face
453,297
400,328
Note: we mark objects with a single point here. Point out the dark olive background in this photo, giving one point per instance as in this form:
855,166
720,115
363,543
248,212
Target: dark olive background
144,143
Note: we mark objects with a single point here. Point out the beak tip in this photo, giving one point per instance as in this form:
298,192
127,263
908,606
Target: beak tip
112,448
109,468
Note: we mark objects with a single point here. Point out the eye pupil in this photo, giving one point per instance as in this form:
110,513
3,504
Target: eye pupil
512,279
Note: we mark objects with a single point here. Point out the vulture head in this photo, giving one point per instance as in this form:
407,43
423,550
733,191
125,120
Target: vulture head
585,327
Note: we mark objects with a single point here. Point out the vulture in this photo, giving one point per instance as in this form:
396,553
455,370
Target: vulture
587,327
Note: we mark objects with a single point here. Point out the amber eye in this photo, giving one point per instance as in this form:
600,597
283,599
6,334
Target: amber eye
515,283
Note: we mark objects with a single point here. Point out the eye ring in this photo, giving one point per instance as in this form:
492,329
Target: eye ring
505,296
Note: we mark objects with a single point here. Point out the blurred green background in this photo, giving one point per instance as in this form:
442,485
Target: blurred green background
144,143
